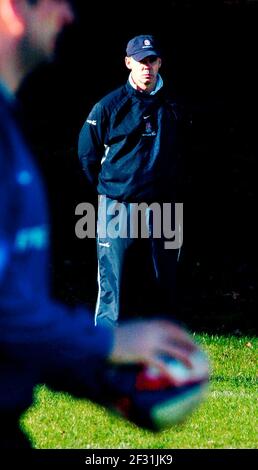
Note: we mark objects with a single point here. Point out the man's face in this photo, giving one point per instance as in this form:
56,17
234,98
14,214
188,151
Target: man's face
144,73
44,21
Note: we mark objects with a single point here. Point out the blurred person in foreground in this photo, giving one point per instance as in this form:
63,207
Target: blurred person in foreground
42,341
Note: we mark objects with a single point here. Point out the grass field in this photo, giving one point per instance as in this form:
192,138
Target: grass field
227,419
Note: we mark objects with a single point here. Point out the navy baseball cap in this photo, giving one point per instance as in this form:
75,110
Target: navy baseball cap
141,47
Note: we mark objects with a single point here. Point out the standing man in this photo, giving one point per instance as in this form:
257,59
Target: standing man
41,340
128,151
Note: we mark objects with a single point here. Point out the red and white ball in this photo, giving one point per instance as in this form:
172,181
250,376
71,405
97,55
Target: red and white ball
150,399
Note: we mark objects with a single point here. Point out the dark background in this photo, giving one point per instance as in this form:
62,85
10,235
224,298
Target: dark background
210,57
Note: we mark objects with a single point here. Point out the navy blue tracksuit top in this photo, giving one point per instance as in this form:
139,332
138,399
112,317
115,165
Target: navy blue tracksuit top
128,146
40,340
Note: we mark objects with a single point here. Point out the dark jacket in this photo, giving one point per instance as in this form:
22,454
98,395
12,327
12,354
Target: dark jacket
40,340
128,146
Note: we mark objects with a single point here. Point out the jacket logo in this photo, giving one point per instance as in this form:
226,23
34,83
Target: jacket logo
92,121
29,238
149,132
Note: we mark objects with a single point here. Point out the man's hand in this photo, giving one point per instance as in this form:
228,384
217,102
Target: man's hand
147,341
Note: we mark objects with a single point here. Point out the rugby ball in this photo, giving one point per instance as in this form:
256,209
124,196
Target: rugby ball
151,400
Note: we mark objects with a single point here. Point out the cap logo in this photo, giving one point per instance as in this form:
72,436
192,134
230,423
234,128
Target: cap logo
147,42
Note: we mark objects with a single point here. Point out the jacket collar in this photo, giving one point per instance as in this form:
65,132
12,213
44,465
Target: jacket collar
141,95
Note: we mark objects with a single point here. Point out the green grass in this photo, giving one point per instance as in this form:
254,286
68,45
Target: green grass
227,419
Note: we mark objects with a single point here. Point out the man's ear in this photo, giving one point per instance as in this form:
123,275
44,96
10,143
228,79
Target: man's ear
10,13
128,63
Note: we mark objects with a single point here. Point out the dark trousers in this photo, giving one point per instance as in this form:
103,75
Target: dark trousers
122,234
